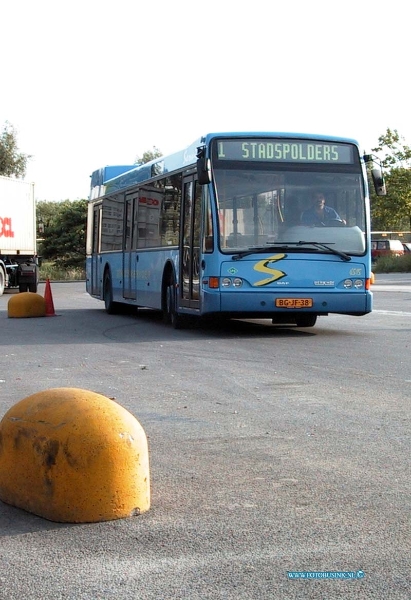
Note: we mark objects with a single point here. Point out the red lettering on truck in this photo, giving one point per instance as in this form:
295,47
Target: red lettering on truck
6,228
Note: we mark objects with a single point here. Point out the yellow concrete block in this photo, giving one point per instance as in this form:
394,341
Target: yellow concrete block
26,304
74,456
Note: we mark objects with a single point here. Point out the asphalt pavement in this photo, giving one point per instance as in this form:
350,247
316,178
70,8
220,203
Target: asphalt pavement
279,457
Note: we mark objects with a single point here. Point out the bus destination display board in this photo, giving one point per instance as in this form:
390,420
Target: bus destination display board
275,150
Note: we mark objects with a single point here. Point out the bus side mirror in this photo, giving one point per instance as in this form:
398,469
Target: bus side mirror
379,183
203,167
376,174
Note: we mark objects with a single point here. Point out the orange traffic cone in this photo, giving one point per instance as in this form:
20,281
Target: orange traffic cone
48,297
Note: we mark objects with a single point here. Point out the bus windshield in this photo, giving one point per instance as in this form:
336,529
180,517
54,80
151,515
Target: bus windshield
267,203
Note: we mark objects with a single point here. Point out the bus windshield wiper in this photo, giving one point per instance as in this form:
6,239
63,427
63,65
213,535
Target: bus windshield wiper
343,255
285,246
259,249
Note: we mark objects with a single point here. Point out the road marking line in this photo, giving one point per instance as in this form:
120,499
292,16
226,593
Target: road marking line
398,313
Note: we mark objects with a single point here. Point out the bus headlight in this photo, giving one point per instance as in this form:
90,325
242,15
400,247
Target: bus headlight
356,283
236,282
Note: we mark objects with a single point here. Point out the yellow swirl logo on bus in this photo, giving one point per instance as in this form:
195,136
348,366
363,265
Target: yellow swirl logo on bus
275,274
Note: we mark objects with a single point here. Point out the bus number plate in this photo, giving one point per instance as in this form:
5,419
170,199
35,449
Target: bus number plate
293,302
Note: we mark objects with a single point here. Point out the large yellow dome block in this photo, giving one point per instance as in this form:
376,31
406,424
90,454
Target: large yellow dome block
73,456
26,304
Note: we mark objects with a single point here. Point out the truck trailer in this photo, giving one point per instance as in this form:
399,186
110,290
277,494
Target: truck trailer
19,264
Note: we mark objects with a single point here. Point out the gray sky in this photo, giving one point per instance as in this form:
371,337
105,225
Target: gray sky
90,83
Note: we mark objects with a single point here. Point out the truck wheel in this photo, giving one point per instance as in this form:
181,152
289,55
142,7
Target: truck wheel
2,281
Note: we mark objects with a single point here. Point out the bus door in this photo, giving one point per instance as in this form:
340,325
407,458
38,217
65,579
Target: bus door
96,259
129,256
189,288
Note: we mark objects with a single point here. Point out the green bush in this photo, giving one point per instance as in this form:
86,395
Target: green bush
49,270
393,264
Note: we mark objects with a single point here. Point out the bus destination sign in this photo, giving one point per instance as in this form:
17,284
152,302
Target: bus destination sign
293,151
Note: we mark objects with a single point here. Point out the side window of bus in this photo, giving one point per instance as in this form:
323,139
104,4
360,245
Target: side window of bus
112,223
148,216
170,210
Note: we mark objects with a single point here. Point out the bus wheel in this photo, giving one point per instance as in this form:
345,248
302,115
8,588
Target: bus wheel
168,303
170,314
111,307
307,320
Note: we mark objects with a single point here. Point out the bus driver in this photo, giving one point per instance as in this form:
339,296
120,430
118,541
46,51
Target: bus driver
320,214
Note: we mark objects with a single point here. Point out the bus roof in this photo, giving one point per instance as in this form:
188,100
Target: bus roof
121,177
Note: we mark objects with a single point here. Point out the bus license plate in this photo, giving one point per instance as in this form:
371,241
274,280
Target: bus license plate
293,302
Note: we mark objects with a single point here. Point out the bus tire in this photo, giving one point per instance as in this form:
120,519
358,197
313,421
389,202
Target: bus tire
170,314
111,307
167,303
307,320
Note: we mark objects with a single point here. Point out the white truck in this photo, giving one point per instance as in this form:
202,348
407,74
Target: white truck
19,265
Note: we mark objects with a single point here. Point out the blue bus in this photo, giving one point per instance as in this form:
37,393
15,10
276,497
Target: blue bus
237,225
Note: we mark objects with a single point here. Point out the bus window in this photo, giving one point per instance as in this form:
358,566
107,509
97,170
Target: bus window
112,223
170,210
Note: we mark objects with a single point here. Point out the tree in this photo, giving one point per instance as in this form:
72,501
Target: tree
12,162
397,154
148,155
393,211
62,230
